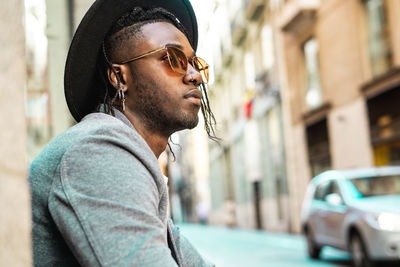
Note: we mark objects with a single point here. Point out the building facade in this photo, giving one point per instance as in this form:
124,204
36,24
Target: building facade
340,81
49,28
300,86
15,218
248,179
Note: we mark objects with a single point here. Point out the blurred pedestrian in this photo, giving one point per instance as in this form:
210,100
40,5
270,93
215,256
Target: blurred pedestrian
131,80
202,212
230,215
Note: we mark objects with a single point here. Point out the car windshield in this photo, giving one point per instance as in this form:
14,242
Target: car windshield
374,186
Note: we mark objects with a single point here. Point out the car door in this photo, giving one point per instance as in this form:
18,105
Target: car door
334,215
318,213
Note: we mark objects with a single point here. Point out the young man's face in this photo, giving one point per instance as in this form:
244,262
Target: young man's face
163,99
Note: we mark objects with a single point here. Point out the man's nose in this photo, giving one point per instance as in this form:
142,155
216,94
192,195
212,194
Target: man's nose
192,76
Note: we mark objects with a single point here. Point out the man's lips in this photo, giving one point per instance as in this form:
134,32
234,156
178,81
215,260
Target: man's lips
194,95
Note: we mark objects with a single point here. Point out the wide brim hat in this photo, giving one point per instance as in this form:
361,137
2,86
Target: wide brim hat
82,82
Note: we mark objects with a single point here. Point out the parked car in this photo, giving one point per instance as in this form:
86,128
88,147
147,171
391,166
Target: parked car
357,210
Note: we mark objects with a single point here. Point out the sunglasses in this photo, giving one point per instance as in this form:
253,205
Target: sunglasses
179,61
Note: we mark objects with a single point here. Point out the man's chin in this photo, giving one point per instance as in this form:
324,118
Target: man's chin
193,123
190,124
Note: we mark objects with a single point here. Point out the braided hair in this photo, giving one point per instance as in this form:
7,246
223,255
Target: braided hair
131,23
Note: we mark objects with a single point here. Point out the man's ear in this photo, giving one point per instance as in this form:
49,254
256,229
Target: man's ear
119,73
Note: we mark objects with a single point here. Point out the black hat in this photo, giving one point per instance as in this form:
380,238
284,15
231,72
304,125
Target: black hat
81,79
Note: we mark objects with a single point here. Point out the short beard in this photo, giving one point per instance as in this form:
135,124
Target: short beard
151,99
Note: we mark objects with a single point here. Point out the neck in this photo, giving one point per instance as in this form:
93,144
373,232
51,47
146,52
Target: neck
156,140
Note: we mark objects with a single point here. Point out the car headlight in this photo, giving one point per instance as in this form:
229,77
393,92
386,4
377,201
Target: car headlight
389,221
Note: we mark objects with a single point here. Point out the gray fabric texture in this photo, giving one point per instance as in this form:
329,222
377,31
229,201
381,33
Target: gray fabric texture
99,199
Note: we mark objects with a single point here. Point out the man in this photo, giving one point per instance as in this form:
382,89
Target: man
99,197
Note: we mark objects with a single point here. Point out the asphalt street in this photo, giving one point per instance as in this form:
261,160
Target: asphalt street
232,247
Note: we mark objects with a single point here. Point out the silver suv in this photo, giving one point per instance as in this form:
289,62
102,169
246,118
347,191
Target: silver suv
356,210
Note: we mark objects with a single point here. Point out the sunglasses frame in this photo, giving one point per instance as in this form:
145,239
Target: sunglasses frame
165,47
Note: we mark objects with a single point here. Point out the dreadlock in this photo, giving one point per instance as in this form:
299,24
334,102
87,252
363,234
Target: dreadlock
129,26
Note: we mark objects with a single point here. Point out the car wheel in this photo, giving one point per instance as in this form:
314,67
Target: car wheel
312,248
359,252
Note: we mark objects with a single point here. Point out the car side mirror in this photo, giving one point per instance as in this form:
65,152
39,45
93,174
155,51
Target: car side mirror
334,199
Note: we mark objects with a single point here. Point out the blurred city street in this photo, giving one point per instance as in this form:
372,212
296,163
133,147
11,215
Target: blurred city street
234,247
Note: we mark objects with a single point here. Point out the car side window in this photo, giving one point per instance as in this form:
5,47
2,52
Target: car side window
326,188
333,188
321,190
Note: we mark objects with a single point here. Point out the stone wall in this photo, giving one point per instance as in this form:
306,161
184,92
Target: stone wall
15,216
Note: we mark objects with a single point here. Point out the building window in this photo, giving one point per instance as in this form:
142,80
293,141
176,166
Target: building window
313,86
380,52
250,71
267,47
384,123
318,147
37,90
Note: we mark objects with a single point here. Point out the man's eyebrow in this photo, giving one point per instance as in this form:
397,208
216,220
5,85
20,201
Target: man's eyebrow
180,47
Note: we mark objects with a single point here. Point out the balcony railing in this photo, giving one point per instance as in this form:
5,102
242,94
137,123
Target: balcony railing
254,8
301,15
238,29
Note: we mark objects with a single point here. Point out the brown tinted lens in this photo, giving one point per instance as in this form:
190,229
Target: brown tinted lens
177,60
201,66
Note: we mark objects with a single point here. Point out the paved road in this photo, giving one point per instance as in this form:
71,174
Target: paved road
234,248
